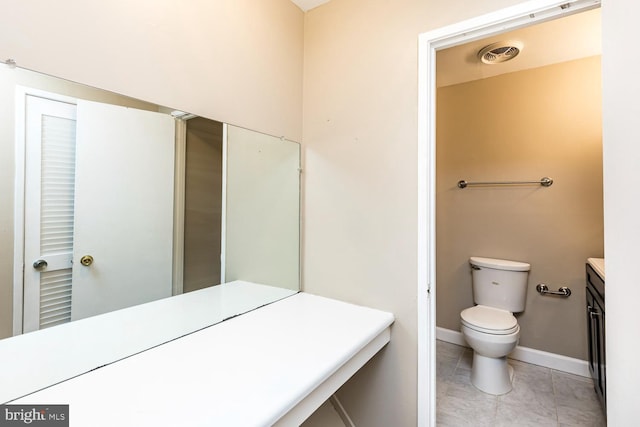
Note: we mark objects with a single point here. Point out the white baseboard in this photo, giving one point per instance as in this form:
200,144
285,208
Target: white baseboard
342,413
529,355
453,337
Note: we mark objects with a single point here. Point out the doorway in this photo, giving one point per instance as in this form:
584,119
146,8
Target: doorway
491,24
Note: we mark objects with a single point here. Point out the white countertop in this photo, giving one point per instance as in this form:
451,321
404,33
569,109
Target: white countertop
598,266
38,359
252,370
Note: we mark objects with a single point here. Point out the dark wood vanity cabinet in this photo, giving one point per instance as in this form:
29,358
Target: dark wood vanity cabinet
596,331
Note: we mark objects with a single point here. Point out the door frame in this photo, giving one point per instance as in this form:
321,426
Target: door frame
521,15
223,216
179,180
21,93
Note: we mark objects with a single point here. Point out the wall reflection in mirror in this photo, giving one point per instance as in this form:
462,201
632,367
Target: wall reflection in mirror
110,202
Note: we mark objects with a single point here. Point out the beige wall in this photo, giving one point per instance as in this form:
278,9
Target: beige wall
238,61
522,126
361,82
360,179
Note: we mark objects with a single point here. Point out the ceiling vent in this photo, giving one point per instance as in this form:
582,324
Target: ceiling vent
499,52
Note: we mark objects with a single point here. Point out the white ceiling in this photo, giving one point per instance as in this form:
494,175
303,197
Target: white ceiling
576,36
308,4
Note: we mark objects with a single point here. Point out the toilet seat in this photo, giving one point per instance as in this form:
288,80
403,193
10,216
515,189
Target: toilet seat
489,320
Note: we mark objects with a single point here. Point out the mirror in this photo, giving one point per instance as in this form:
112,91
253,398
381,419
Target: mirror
121,202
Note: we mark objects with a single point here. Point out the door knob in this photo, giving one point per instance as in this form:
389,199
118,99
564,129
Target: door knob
86,260
40,264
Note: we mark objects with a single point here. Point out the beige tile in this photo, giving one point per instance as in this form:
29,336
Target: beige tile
447,356
531,401
445,349
577,402
574,385
466,359
459,386
540,396
574,391
531,398
517,414
532,377
441,390
445,367
460,412
575,416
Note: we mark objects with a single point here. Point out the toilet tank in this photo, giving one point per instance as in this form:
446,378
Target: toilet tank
499,283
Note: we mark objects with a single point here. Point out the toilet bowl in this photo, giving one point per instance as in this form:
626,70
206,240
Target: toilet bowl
492,334
490,328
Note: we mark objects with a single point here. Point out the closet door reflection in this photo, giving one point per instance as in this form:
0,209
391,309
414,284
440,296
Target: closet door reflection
123,222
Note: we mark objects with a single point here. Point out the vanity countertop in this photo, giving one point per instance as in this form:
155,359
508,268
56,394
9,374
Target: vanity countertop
77,347
598,266
256,369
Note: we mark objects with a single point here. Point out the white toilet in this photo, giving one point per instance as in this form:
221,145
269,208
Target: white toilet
499,289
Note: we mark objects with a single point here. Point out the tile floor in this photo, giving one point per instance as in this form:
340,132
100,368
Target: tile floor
540,396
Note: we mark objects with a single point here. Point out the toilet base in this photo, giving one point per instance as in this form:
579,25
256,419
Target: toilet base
491,375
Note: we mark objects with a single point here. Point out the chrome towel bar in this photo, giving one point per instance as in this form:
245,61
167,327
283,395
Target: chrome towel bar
545,182
544,290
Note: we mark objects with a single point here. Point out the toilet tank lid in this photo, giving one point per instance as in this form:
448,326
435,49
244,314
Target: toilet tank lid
499,264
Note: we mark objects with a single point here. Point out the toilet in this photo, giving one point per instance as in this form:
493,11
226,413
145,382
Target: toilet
490,328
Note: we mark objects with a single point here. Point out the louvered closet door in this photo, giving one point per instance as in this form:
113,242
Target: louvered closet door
49,211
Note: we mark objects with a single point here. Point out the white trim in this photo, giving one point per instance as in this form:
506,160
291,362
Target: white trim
546,359
520,15
18,210
178,204
554,361
342,413
426,301
450,336
21,93
223,216
300,215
